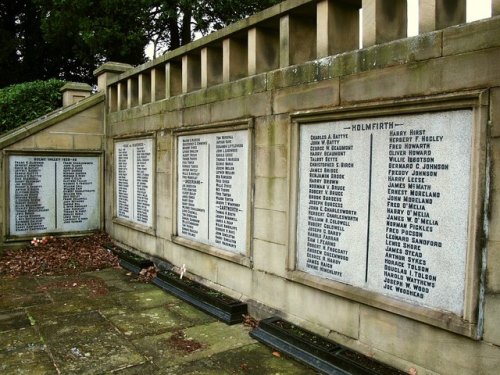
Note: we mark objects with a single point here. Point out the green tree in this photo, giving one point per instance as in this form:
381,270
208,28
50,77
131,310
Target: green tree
27,101
68,39
94,31
174,23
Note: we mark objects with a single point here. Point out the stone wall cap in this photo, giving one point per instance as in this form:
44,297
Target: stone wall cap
76,86
112,67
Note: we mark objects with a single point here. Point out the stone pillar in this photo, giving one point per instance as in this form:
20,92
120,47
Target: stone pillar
132,92
337,28
297,39
211,66
234,59
73,92
439,14
495,7
144,88
107,71
121,96
112,98
263,50
191,73
383,21
173,78
158,85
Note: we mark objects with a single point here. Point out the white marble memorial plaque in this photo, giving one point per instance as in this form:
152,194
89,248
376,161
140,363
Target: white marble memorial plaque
384,205
134,180
213,189
53,194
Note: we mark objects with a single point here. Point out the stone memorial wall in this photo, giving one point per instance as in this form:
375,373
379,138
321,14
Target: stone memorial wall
53,194
384,205
213,189
134,181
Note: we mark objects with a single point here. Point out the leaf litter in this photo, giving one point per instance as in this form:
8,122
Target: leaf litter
59,256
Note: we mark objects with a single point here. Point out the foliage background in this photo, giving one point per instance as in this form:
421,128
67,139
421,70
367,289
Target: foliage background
25,102
69,39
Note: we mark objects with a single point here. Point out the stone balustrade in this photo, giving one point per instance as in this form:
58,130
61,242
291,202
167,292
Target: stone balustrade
290,33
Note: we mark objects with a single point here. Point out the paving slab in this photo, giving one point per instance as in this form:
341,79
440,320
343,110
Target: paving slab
108,322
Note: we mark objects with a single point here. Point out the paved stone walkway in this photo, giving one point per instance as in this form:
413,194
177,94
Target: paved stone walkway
108,322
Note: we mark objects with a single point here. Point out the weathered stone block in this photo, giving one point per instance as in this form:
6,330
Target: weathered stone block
471,37
246,86
272,130
241,284
79,124
155,108
172,103
270,257
495,112
163,189
317,95
271,161
274,296
271,193
491,314
195,98
436,349
196,262
136,112
163,230
88,142
163,141
423,78
133,126
311,304
494,225
163,161
418,48
26,143
493,267
245,106
196,115
293,75
172,120
270,226
153,122
54,141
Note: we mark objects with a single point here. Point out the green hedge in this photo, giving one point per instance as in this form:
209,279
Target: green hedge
27,101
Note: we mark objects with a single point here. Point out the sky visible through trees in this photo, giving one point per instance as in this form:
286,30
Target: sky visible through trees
68,39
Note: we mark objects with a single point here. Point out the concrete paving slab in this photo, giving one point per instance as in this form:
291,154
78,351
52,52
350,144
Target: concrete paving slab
13,320
16,339
88,344
26,362
249,359
9,301
107,322
193,343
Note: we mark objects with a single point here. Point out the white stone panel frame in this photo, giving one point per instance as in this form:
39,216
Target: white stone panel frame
203,238
463,319
86,213
133,218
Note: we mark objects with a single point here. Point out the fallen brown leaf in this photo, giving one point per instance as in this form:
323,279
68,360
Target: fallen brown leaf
59,256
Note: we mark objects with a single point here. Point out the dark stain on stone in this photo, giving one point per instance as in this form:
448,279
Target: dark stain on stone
179,343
